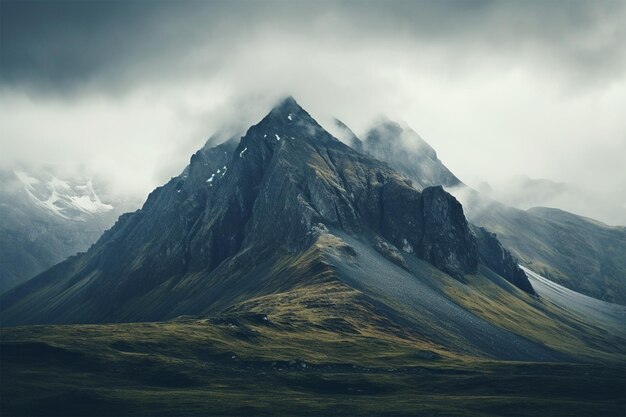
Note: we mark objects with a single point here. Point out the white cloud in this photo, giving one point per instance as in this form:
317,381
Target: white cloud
497,91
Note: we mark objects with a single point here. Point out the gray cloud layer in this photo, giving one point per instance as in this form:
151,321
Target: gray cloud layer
498,88
64,44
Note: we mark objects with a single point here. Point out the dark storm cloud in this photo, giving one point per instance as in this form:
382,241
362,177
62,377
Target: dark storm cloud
132,88
61,45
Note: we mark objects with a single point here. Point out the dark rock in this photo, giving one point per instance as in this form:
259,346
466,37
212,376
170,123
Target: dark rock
390,252
498,259
448,242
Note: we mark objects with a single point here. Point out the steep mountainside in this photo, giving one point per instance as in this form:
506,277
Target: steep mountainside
579,253
44,219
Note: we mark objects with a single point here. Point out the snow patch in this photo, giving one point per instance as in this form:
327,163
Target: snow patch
58,184
63,198
89,202
289,117
277,137
242,152
406,246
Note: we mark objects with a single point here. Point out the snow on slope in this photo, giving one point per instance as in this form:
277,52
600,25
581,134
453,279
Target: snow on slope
71,201
580,304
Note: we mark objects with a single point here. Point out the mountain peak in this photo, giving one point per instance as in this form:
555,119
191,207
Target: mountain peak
241,216
287,101
399,145
287,112
287,119
286,106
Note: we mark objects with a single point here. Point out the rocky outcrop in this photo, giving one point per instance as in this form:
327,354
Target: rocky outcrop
498,259
430,225
448,242
389,251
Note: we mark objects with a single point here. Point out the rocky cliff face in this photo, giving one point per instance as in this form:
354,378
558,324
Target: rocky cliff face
500,260
225,226
448,243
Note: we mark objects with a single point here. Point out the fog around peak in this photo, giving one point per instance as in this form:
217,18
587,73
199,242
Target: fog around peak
128,90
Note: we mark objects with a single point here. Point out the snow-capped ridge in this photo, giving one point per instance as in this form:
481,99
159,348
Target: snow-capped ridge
65,199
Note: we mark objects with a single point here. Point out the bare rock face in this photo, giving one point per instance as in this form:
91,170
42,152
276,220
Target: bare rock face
430,225
390,252
448,242
500,260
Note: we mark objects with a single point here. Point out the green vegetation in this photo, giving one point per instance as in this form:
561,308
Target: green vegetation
539,320
318,350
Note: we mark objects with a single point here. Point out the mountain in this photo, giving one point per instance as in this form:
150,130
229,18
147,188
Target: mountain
237,222
285,273
523,192
289,208
409,154
576,252
45,219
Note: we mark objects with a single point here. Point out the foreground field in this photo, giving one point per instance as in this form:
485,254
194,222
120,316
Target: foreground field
246,364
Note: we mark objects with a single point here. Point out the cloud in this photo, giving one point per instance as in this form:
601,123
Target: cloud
62,45
497,88
524,193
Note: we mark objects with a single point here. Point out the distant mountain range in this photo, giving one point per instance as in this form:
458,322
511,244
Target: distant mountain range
45,219
523,192
574,251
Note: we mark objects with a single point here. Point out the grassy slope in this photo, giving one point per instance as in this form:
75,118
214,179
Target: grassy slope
538,319
316,348
308,358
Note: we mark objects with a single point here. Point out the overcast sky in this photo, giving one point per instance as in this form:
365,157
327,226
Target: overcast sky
131,89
